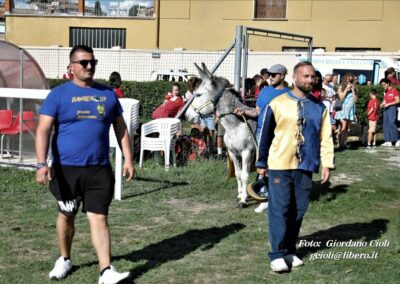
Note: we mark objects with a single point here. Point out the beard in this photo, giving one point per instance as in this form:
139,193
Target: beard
305,88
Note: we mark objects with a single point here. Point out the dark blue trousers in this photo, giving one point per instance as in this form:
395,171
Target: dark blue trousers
288,201
390,133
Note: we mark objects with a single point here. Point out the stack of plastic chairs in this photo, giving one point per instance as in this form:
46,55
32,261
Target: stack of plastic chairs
131,117
28,124
157,135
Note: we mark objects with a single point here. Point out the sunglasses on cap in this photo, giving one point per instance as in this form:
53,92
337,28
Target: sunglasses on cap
273,75
85,62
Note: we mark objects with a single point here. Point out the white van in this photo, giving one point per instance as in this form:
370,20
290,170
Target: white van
180,75
365,67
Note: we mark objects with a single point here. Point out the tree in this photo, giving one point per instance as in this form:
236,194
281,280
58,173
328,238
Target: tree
97,8
133,11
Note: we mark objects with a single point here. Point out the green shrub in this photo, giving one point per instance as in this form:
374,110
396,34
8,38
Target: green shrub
149,94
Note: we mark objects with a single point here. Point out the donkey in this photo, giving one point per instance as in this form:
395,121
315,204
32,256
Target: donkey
216,94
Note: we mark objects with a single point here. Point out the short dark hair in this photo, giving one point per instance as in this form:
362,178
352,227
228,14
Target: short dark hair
302,64
77,48
384,80
192,83
264,71
115,79
374,92
176,85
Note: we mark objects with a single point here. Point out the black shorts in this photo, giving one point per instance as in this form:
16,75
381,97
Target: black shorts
93,186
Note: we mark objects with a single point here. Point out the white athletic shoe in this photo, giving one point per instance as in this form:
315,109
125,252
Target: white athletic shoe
262,207
293,260
387,144
279,265
61,269
112,276
397,143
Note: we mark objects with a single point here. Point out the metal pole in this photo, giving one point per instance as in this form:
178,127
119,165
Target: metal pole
310,49
245,59
238,56
227,51
21,102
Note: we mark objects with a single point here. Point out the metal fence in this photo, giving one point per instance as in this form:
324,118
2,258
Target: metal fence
133,65
264,48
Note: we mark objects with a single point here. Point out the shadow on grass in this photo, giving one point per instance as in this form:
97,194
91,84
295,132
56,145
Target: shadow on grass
319,190
174,248
164,185
356,232
178,247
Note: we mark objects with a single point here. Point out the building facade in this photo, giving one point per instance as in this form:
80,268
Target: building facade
335,25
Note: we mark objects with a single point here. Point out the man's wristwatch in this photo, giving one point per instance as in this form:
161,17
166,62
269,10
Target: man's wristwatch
41,165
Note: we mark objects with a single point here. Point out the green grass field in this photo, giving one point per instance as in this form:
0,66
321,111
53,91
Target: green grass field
183,226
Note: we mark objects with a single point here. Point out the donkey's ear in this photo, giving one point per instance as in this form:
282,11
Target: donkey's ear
206,70
203,75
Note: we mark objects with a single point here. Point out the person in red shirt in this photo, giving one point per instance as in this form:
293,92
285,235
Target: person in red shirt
373,115
390,74
115,83
316,92
172,104
68,75
390,102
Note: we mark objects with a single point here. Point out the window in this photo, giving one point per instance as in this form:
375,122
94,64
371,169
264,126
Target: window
356,49
270,9
97,37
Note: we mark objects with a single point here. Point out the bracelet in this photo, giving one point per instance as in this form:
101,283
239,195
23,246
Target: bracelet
41,165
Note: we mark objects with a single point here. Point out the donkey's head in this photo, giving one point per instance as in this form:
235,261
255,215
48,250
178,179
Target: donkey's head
206,94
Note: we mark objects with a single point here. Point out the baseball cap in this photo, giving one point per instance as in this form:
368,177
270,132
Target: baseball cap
264,71
277,69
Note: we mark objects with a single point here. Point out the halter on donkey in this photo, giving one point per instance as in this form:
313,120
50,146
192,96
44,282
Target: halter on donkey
216,94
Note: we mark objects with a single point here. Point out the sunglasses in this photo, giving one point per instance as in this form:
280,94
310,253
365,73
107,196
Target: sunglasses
273,75
85,62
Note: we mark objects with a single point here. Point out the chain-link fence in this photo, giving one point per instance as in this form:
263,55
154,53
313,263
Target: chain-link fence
133,65
264,48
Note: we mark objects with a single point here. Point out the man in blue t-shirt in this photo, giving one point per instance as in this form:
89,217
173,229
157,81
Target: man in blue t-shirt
277,87
82,112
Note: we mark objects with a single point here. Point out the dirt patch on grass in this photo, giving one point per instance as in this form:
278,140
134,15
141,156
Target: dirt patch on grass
193,207
393,161
344,179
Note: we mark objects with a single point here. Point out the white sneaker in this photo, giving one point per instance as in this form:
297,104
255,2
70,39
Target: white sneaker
279,265
386,144
293,260
397,143
262,207
61,269
112,276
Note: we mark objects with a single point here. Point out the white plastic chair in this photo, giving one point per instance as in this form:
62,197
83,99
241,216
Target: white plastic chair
167,128
131,117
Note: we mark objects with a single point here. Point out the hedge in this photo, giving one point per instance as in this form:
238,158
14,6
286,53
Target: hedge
149,94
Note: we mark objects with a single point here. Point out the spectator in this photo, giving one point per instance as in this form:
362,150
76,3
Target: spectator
390,74
317,86
115,83
68,75
348,97
265,75
390,102
368,82
295,140
172,103
193,83
334,82
258,79
326,84
372,115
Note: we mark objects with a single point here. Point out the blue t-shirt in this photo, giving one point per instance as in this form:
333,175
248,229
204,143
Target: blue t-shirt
266,95
82,119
